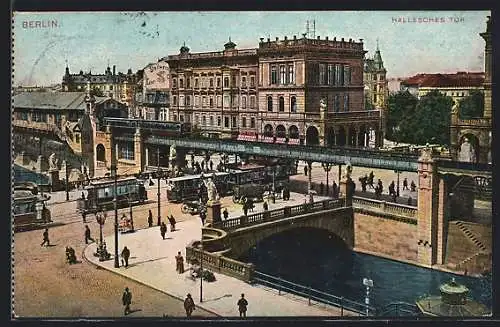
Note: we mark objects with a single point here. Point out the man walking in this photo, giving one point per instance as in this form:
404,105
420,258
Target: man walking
127,300
125,256
150,218
179,260
305,170
46,238
321,188
189,305
87,235
405,184
242,306
163,229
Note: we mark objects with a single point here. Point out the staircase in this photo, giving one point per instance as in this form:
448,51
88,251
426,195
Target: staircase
471,236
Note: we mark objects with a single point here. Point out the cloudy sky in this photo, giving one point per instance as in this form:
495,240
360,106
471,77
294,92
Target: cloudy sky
411,42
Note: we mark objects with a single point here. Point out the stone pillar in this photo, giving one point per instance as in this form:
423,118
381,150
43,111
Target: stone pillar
146,156
427,209
356,144
41,164
346,189
334,137
108,146
138,150
213,212
54,179
442,221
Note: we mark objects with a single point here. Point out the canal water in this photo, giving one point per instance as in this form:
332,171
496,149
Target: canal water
319,259
21,174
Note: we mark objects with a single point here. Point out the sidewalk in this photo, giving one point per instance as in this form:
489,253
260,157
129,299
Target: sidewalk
152,263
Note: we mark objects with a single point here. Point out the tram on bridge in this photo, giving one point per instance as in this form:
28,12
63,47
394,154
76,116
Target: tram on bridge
187,187
129,190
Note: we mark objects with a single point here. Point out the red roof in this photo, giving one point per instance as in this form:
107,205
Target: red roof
460,79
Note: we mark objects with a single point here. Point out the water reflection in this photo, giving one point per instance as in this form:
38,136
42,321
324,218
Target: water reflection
318,259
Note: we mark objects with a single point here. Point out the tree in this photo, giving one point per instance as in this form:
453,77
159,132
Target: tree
472,106
430,122
400,106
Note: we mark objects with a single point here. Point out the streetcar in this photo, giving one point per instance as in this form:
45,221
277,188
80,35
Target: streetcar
185,188
130,191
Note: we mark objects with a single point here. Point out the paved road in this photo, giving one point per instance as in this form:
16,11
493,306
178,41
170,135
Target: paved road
45,286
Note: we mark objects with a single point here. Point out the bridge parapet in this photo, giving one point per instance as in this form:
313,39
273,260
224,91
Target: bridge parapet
272,215
385,207
219,263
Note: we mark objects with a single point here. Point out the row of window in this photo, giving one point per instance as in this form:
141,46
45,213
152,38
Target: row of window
282,74
331,74
41,117
208,101
206,82
336,106
126,150
211,121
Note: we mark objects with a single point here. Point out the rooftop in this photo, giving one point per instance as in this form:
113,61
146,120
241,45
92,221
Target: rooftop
50,100
459,79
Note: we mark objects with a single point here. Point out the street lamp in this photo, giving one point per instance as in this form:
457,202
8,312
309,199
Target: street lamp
368,283
327,167
114,170
158,176
397,186
103,254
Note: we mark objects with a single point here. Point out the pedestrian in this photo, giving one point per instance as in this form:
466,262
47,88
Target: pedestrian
334,190
83,196
172,221
189,305
46,238
127,300
245,206
242,306
225,213
87,235
179,260
211,164
150,218
265,206
305,170
391,188
163,229
125,256
321,188
405,184
203,216
412,186
203,165
158,222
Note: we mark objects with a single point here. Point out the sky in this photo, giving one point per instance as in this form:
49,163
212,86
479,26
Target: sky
410,42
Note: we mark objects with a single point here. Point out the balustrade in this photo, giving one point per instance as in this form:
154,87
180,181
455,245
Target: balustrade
387,207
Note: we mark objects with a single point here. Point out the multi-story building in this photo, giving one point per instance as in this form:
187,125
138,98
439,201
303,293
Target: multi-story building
215,91
153,97
311,91
456,85
118,86
376,83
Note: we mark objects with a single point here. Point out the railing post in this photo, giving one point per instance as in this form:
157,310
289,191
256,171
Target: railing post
279,286
382,206
341,306
309,295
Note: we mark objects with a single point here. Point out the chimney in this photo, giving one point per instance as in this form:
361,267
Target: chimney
326,38
295,37
277,39
335,39
318,37
342,39
261,39
286,38
268,40
114,70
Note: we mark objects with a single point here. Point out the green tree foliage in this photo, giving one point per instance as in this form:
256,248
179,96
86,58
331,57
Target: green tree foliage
419,121
472,106
400,105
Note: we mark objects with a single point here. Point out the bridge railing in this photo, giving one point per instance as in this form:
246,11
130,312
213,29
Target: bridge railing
385,207
219,263
312,294
276,214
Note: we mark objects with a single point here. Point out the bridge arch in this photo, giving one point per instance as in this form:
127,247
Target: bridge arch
312,136
336,221
100,152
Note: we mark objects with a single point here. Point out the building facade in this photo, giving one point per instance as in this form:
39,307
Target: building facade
471,138
152,98
311,92
215,91
376,83
119,86
456,86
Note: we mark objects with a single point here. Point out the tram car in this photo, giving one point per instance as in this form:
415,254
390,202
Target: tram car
130,191
186,188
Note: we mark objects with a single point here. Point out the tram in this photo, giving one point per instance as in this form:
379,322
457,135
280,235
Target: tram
130,191
185,188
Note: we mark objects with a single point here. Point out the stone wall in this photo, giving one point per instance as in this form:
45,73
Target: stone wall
385,237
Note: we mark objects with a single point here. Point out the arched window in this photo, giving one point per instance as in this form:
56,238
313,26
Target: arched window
269,103
281,104
293,104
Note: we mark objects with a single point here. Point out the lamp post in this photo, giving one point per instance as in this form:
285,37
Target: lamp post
327,167
201,267
100,217
397,186
158,176
131,215
115,175
368,283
